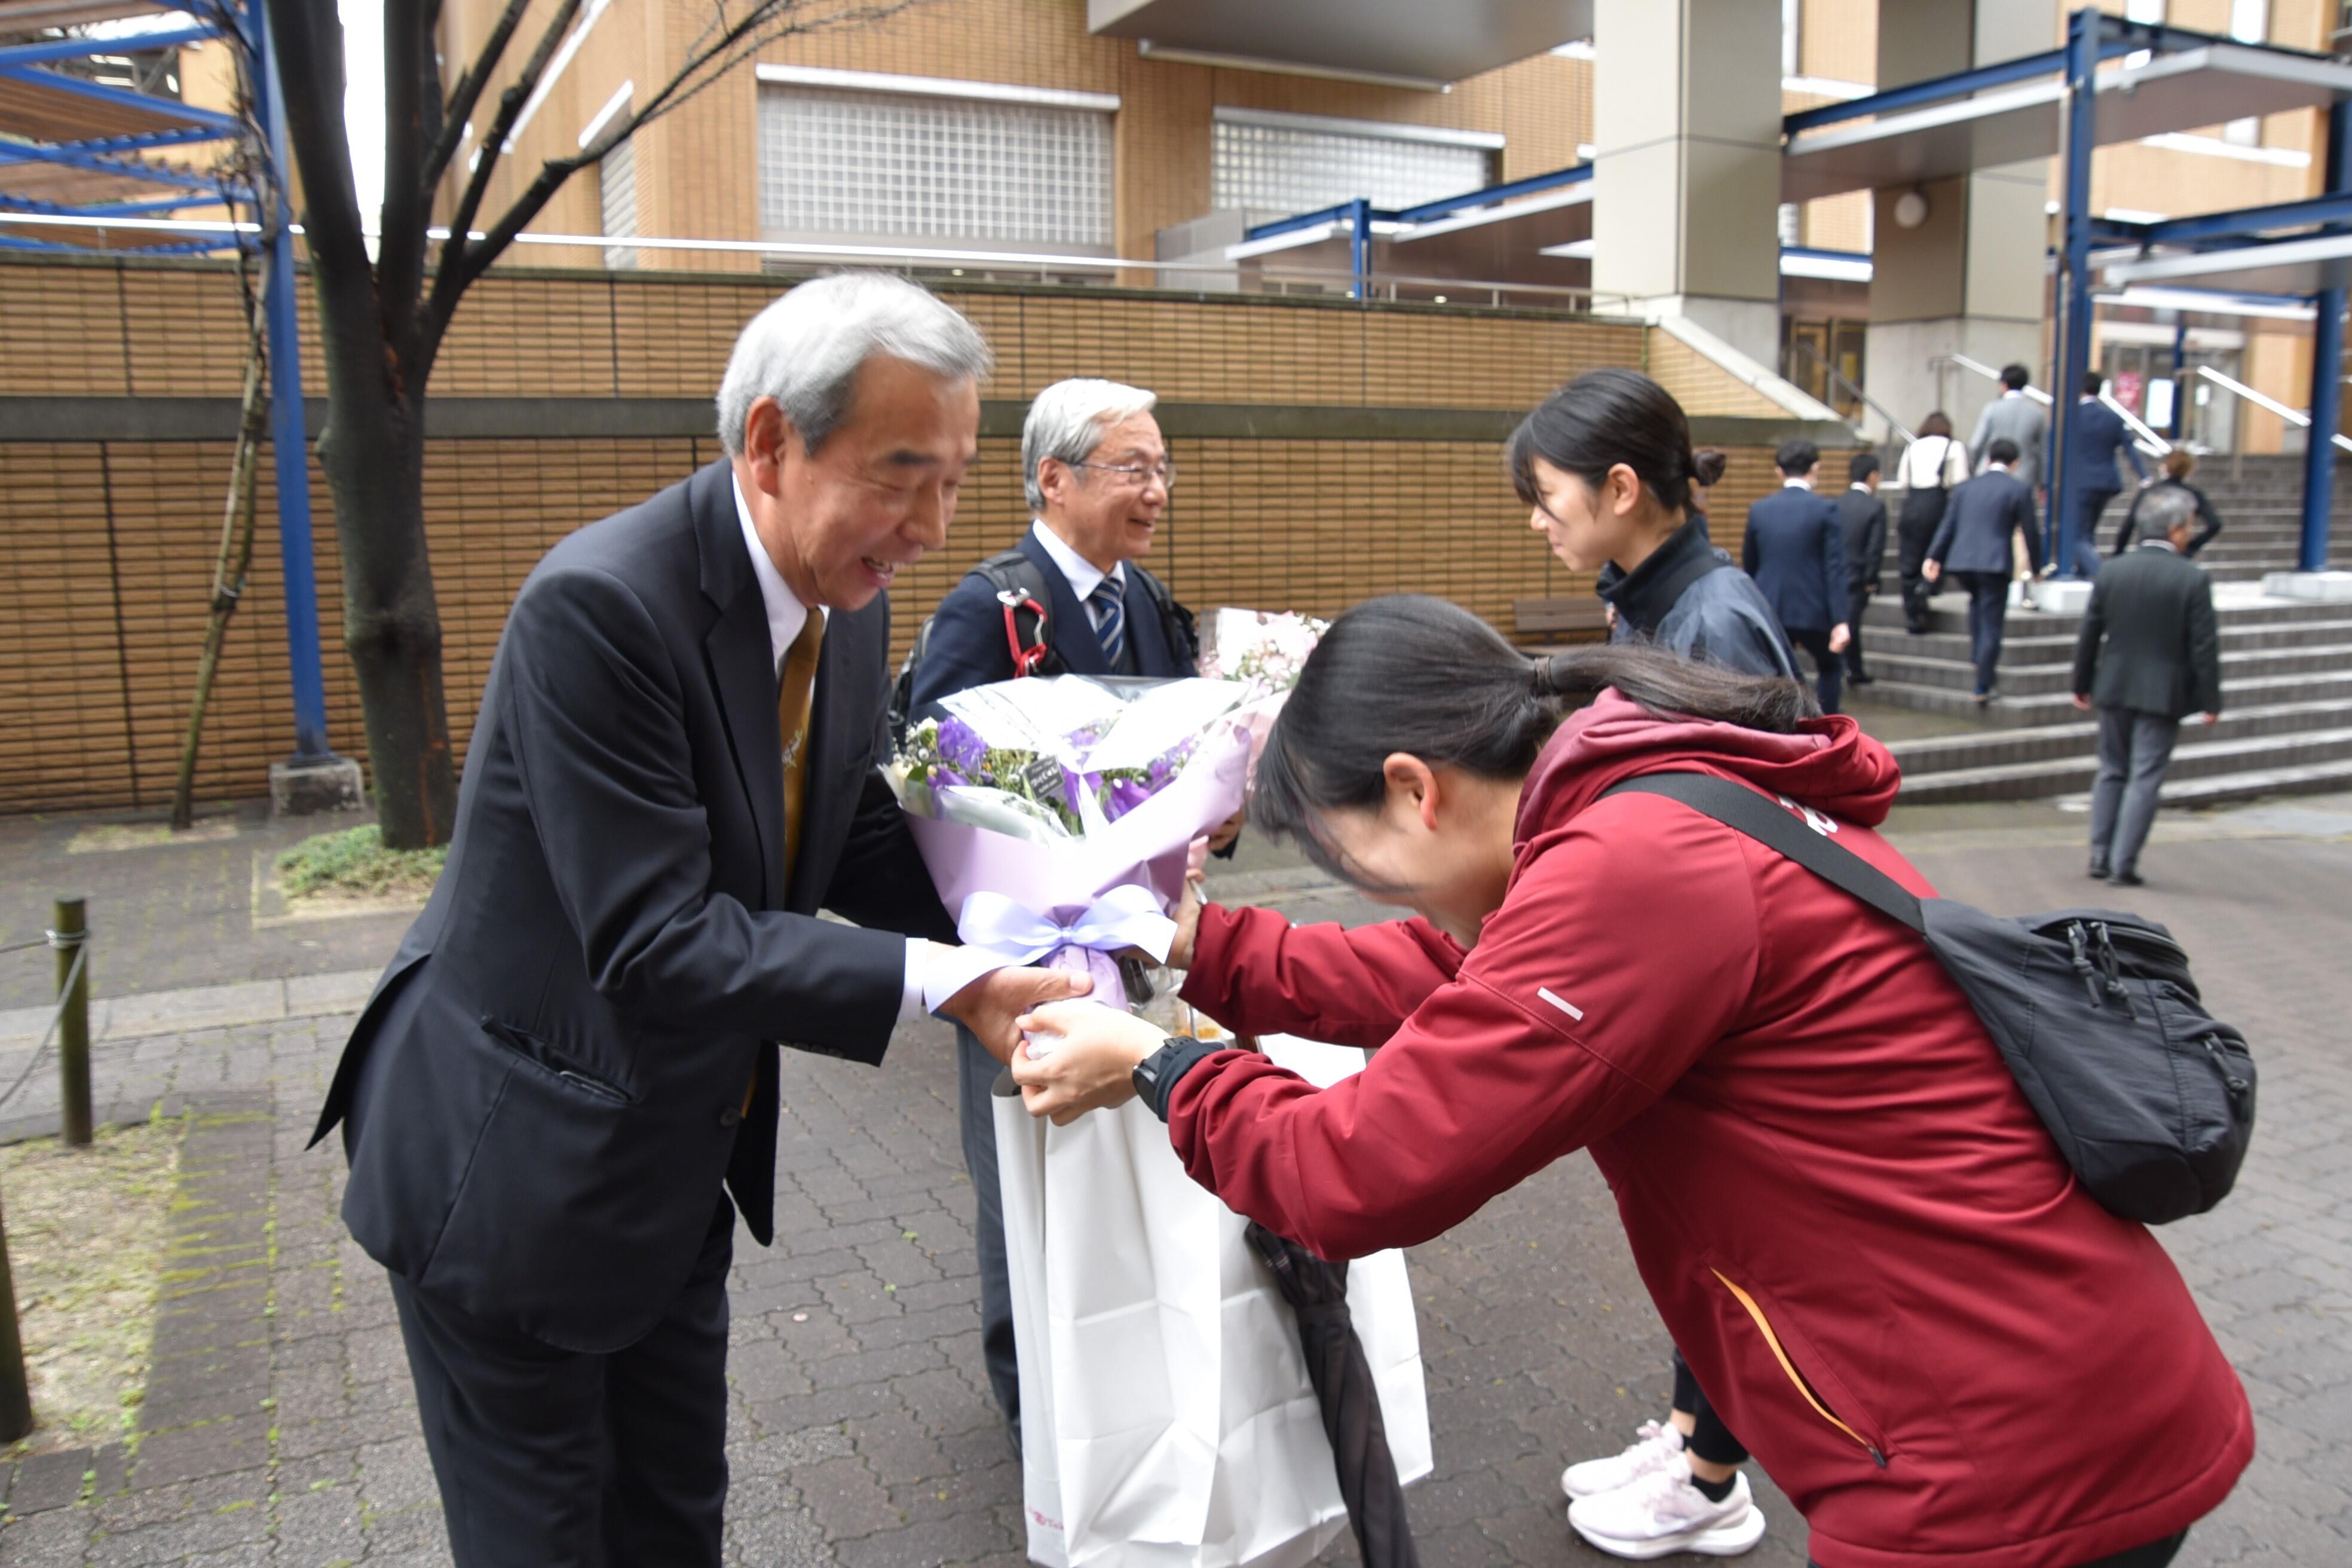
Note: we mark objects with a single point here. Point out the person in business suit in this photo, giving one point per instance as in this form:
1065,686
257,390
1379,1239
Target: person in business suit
1097,477
1862,518
570,1062
1975,544
2149,655
1795,549
2017,419
2097,437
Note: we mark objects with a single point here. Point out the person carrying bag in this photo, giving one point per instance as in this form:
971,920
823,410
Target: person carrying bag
1930,468
1908,1298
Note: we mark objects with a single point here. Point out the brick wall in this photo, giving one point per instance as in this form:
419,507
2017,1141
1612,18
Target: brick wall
108,544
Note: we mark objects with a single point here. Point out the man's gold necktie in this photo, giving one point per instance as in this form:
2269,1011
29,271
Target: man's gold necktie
795,690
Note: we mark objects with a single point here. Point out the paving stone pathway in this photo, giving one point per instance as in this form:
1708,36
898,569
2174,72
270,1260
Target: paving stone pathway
279,1428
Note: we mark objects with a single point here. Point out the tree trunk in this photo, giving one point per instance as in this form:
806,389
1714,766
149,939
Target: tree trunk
375,462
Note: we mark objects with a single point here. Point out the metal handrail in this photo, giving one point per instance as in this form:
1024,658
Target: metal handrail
1985,371
2143,434
2146,437
1840,378
2295,416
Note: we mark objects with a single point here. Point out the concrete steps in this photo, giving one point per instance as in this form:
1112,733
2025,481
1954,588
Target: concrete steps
2059,758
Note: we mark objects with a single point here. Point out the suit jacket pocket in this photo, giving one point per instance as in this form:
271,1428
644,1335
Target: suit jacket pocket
548,1058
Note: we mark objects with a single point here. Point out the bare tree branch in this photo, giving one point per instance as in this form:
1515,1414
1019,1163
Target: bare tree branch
309,39
469,91
448,279
400,248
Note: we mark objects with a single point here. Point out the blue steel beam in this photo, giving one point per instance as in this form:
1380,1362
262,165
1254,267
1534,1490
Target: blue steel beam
289,445
102,163
141,141
1344,213
2326,370
123,209
1448,206
2074,336
1359,249
81,49
2330,207
122,98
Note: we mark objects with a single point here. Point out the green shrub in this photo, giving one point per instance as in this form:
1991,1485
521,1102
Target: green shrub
355,861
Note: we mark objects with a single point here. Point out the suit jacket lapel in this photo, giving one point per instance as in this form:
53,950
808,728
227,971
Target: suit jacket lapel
742,665
1068,627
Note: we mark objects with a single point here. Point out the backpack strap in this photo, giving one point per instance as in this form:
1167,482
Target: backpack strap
1668,590
1022,589
1757,814
1183,630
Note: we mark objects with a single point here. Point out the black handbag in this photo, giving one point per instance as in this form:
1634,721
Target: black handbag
2150,1099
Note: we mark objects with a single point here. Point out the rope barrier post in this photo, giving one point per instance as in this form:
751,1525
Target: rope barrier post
16,1395
67,935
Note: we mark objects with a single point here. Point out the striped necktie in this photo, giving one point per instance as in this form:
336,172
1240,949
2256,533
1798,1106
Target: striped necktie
1106,607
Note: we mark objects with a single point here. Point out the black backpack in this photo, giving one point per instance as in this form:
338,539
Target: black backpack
1020,586
2150,1099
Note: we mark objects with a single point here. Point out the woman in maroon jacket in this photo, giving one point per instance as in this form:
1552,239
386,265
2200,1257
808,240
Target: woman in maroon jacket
1844,1209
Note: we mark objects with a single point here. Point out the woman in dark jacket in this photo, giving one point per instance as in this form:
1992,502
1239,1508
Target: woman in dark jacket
1844,1209
1606,464
2179,464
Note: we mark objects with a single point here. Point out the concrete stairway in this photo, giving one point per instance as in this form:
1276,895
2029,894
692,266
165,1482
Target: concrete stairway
2286,674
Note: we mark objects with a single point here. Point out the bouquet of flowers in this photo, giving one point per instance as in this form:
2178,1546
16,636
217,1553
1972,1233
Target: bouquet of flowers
1054,814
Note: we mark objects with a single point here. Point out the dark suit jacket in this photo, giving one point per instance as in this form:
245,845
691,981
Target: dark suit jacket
2097,434
1863,518
2209,521
543,1095
2149,641
1978,523
968,646
1795,550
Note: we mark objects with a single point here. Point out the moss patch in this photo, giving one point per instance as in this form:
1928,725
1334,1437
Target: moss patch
87,1230
355,864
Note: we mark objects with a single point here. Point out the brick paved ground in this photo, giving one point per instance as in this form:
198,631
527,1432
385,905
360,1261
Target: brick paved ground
279,1427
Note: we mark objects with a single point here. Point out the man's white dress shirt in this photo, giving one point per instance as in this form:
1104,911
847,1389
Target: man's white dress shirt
1083,575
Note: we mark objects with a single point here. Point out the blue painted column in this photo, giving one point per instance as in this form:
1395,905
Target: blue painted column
2074,353
2178,425
2326,376
1359,247
288,439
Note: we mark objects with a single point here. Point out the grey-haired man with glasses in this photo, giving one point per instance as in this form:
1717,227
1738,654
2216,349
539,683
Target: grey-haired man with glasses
1098,475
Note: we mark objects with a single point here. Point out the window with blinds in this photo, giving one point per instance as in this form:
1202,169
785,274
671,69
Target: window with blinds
838,162
616,195
1271,171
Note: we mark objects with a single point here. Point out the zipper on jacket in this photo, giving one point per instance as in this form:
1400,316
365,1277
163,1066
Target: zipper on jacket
1764,1327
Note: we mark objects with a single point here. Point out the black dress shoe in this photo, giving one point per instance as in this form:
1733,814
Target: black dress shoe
1862,680
2098,873
2125,879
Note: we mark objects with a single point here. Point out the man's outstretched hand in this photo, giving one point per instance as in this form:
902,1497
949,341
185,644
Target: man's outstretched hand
988,1004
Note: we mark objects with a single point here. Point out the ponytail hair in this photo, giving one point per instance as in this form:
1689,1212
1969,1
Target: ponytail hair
1414,674
1605,417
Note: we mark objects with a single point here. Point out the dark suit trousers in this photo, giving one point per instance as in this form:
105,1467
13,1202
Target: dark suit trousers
1987,618
2134,751
1913,533
564,1459
976,1076
1857,602
2088,505
1829,669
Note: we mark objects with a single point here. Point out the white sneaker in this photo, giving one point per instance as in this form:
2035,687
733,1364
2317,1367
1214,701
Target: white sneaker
1664,1514
1658,1447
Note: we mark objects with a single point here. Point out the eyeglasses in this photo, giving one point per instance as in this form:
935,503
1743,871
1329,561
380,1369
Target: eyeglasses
1165,472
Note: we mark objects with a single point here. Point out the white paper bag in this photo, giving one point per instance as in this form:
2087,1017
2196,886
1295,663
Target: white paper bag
1166,1417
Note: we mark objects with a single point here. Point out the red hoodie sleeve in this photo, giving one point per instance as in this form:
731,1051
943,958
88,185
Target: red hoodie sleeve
1626,947
1256,973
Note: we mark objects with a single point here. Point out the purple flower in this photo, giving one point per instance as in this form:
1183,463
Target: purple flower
944,775
961,746
1124,795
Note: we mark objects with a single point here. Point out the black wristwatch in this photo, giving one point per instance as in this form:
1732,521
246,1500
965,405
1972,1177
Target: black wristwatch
1155,1076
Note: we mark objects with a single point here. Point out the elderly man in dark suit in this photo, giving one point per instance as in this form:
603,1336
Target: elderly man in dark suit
1973,544
2097,437
1795,549
575,1049
2149,655
1098,476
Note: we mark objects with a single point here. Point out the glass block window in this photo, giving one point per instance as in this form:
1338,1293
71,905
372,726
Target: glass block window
617,191
841,162
1276,171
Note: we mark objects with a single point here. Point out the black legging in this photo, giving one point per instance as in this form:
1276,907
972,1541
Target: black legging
1710,1440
